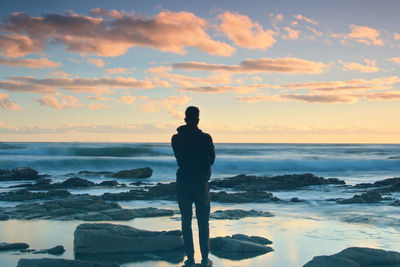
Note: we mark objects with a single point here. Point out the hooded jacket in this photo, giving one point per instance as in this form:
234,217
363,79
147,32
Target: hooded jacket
194,153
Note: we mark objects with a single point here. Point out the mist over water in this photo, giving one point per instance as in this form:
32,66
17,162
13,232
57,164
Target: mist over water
351,162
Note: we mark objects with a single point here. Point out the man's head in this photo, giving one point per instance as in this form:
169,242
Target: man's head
192,115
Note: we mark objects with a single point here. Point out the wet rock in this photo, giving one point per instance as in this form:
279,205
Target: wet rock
371,196
296,200
356,257
95,174
158,191
108,183
236,249
282,182
236,214
51,262
25,173
74,183
243,197
12,246
57,250
255,239
24,195
4,217
104,238
80,207
134,173
383,186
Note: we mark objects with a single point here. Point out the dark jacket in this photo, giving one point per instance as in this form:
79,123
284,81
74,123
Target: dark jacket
194,153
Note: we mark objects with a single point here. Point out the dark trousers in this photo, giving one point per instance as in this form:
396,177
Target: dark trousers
199,194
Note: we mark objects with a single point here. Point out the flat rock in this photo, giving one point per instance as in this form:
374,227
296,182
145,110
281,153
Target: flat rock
371,196
236,249
50,262
236,214
13,246
357,257
105,238
281,182
255,239
256,196
57,250
24,195
134,173
25,173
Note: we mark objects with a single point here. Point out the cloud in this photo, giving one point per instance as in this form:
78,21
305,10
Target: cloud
30,63
301,17
108,33
127,99
382,83
98,98
244,32
291,34
396,36
116,70
97,106
5,103
395,60
309,98
352,66
284,65
394,95
97,62
361,34
238,89
88,85
59,101
170,104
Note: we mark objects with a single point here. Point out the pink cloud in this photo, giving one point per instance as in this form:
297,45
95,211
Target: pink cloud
362,34
284,65
116,70
309,98
97,106
30,63
244,32
5,103
395,60
301,17
59,101
353,66
170,104
291,34
127,99
396,36
393,95
110,35
96,61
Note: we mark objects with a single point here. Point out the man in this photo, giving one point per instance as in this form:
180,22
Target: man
194,153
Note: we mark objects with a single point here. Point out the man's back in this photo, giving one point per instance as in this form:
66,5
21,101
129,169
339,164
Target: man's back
194,152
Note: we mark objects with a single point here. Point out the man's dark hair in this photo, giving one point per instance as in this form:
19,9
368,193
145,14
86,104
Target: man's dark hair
192,115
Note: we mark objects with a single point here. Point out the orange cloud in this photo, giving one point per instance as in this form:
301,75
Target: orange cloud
396,36
301,17
97,62
127,99
111,34
394,95
244,32
30,63
88,85
97,106
369,67
59,101
309,98
291,34
5,103
395,60
168,104
284,65
116,70
362,34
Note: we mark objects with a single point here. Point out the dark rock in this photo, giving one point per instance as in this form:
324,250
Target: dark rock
57,193
4,217
108,183
152,212
25,173
236,249
296,200
236,214
383,186
75,182
95,174
104,238
371,196
134,173
243,197
12,246
24,195
159,191
57,250
357,257
255,239
282,182
51,262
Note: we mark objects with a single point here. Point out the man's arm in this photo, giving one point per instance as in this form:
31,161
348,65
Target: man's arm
211,151
177,150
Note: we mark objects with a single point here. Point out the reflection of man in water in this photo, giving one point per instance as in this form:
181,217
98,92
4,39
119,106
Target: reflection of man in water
194,152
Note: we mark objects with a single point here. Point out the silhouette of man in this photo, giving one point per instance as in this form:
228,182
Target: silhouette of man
194,153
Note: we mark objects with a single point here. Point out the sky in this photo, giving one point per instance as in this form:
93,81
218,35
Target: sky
260,71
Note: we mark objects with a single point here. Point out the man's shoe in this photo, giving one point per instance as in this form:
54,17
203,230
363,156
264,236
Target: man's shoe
206,263
189,262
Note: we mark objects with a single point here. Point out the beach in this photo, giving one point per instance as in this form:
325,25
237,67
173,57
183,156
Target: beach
307,221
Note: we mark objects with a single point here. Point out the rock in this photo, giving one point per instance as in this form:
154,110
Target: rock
357,257
95,174
159,191
4,217
24,195
282,182
331,261
80,207
57,250
296,200
105,238
371,196
255,239
134,173
236,249
12,246
236,214
75,182
25,173
108,183
243,197
51,262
